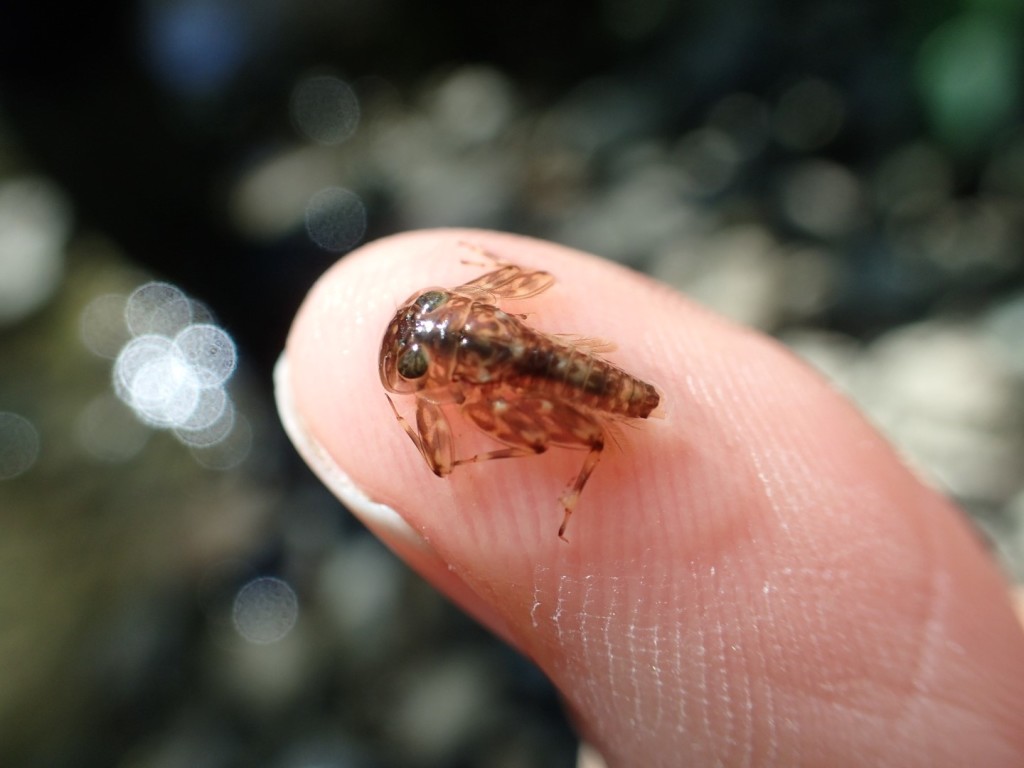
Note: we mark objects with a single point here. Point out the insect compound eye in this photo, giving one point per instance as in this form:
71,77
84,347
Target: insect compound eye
431,300
413,363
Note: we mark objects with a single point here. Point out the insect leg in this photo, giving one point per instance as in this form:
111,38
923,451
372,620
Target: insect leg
432,435
483,252
528,424
570,497
506,423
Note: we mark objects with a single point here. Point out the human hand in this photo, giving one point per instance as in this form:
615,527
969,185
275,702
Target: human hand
754,579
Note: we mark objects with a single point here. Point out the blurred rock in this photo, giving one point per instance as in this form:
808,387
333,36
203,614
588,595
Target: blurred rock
937,390
737,271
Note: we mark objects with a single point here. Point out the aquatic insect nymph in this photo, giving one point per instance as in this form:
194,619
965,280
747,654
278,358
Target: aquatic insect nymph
527,389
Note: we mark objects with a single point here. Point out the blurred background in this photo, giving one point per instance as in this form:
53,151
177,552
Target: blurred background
175,588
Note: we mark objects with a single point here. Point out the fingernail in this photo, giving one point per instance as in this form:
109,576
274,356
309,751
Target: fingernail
380,518
383,521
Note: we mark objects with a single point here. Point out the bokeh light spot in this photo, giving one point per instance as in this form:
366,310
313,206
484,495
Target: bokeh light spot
823,198
35,221
325,109
208,351
102,325
226,453
164,390
180,384
132,357
109,431
335,219
265,610
211,421
210,407
201,314
473,104
158,308
19,445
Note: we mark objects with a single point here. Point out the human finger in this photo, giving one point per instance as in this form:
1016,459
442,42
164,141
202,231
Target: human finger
754,578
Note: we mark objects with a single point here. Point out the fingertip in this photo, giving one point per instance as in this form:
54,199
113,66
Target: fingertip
757,548
383,521
333,353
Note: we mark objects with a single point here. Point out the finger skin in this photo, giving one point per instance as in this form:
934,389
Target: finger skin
752,579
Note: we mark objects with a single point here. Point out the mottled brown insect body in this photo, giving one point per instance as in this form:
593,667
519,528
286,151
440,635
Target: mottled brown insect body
526,389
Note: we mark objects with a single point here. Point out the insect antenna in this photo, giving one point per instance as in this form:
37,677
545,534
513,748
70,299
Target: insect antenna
480,251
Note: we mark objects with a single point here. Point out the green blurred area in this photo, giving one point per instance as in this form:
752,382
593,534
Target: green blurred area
970,79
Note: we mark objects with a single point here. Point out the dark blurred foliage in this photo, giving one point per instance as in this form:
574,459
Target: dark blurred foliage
843,173
101,100
146,151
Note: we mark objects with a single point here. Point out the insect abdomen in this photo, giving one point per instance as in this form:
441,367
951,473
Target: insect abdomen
584,378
